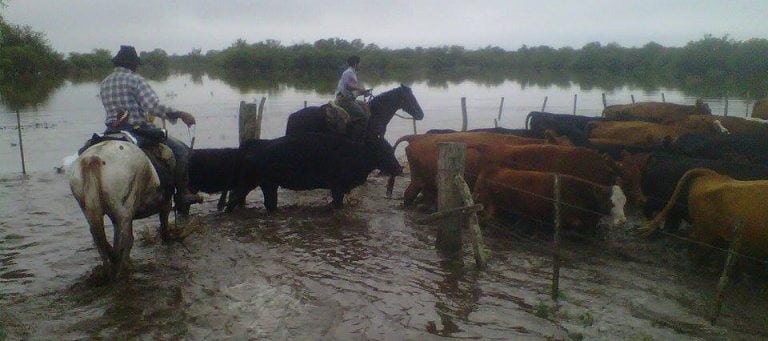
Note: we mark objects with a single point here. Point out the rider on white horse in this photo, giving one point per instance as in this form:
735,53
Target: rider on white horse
128,99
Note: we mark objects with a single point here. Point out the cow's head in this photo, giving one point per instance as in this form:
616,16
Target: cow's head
384,156
702,108
618,200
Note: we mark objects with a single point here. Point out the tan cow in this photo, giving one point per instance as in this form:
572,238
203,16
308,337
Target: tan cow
658,112
715,203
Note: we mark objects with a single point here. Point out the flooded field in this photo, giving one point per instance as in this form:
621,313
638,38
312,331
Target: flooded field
365,272
368,271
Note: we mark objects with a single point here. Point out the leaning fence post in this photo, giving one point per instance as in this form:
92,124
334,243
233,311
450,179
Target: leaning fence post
478,246
574,103
633,98
556,249
259,117
544,105
21,144
501,107
605,104
735,243
450,162
463,114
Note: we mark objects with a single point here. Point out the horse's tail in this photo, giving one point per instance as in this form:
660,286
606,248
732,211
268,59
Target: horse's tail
654,224
91,201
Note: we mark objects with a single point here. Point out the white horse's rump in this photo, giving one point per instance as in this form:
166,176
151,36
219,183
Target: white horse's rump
116,178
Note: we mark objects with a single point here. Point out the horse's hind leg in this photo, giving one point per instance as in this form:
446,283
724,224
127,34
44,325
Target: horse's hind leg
123,244
100,239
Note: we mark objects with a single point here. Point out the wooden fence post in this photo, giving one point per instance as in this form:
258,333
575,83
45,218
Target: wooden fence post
305,104
664,100
725,109
463,114
501,107
478,245
544,105
450,163
259,117
633,98
730,260
21,143
414,127
247,121
574,103
605,103
556,248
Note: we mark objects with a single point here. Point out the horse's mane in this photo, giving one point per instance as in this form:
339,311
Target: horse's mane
386,96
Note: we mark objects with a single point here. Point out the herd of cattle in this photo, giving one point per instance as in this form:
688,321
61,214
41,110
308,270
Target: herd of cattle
672,161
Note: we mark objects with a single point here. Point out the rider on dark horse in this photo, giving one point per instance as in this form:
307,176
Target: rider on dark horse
346,97
128,99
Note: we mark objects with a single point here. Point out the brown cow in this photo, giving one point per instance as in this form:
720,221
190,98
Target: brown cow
576,161
657,112
529,194
715,203
422,157
643,134
760,110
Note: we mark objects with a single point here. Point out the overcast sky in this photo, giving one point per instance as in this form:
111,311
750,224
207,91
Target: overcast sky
180,26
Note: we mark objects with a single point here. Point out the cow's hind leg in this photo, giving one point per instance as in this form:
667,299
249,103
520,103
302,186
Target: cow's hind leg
164,232
270,196
410,193
222,200
338,198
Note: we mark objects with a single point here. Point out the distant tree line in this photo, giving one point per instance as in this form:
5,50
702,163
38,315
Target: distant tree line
736,66
709,66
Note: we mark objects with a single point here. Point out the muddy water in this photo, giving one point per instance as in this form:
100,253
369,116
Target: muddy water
365,272
309,272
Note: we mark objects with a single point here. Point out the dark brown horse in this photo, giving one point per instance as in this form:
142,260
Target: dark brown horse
383,108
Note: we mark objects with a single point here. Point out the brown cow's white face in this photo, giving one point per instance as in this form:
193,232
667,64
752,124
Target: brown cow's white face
618,200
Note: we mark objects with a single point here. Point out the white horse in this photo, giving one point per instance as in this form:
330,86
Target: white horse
116,178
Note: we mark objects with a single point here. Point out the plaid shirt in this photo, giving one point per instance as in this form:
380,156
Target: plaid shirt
125,91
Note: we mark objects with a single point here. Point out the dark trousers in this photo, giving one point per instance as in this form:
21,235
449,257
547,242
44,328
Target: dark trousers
358,117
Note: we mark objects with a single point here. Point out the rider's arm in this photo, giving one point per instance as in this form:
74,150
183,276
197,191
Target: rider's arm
149,101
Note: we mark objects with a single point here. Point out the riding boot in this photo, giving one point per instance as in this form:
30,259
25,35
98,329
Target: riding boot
183,196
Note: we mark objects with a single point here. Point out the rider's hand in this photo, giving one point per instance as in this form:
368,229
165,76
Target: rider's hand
187,118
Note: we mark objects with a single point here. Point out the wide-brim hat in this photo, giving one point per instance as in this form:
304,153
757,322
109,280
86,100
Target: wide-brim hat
126,55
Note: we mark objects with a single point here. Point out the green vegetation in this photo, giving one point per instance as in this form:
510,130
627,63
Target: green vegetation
29,68
712,67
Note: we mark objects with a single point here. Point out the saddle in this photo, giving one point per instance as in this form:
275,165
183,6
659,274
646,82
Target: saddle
342,122
150,142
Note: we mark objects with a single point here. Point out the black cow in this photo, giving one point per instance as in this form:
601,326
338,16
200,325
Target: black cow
572,126
214,171
736,147
311,161
218,170
661,172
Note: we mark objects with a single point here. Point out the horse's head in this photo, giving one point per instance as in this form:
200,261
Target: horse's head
409,103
